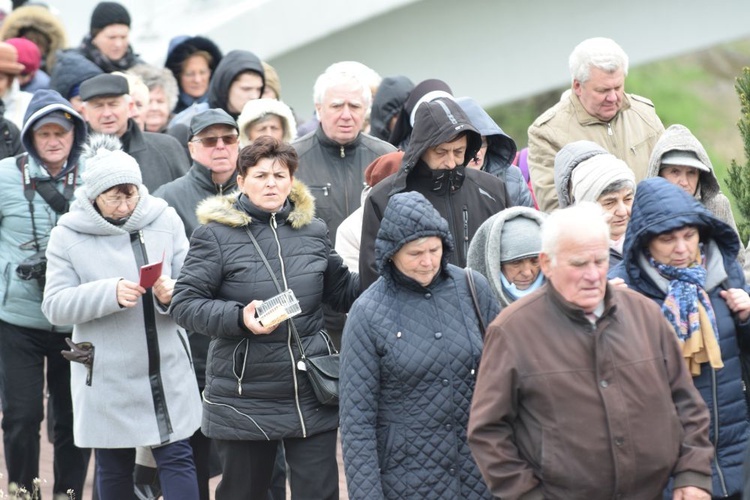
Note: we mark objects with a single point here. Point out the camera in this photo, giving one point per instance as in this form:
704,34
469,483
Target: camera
33,268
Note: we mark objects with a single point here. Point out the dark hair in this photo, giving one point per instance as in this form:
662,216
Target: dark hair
126,189
267,147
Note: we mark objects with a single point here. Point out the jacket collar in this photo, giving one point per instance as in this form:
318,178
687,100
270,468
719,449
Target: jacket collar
225,209
575,313
334,147
583,116
202,175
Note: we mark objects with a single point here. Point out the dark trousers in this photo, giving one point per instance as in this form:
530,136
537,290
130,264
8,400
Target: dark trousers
174,461
247,467
201,446
23,352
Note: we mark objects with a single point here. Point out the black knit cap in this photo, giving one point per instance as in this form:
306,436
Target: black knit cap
106,13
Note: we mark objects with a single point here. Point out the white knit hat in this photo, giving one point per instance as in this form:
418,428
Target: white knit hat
107,166
593,176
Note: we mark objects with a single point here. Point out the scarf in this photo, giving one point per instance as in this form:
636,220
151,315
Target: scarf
689,311
514,292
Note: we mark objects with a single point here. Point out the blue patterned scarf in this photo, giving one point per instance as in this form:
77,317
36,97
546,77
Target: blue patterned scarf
688,309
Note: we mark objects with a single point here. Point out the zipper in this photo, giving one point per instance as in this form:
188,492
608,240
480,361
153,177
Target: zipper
715,410
342,152
326,188
289,331
6,277
466,230
609,129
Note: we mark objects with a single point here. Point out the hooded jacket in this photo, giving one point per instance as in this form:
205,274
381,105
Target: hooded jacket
181,51
566,160
630,136
407,371
121,409
679,138
387,102
20,300
660,207
501,151
465,197
258,108
253,389
36,18
72,70
230,67
486,247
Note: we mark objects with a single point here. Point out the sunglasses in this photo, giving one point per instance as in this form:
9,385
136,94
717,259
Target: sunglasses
210,142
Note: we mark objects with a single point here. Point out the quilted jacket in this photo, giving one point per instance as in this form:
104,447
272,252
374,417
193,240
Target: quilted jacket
661,207
253,389
409,358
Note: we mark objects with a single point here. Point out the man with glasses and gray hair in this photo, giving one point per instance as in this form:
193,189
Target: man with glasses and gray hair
108,108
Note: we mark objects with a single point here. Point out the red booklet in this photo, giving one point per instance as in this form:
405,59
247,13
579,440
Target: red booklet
150,273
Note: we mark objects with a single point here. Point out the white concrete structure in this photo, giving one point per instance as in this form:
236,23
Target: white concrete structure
493,50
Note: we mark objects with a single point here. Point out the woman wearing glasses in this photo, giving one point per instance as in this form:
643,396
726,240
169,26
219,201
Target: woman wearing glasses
139,390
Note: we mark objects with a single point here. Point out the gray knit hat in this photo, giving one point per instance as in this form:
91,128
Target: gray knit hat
107,166
521,238
593,176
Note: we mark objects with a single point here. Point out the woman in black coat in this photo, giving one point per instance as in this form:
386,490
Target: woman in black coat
411,348
255,394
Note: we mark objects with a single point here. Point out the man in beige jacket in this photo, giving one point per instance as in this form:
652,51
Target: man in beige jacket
596,109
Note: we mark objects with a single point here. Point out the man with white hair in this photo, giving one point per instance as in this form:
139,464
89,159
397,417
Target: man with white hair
582,390
596,108
333,158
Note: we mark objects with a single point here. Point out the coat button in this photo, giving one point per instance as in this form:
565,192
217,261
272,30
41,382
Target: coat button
604,384
448,427
438,335
427,295
619,441
445,382
452,471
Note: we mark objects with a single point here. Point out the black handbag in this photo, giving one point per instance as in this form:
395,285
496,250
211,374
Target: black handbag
322,370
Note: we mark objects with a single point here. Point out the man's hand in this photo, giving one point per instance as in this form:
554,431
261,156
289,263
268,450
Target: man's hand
690,493
738,302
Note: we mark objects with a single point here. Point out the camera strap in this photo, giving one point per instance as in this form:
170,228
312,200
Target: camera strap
59,202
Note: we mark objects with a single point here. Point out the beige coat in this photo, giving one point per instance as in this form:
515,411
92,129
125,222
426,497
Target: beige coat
630,136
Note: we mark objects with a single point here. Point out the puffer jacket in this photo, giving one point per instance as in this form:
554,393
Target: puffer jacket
630,136
661,207
679,138
408,365
253,388
501,151
20,300
465,197
486,247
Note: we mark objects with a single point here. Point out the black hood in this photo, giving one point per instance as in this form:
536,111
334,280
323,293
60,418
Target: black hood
392,93
231,65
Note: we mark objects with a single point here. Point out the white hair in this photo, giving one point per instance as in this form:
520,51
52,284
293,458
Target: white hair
602,53
162,78
368,75
584,220
339,77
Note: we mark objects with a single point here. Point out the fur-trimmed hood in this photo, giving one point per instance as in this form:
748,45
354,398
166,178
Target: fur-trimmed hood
224,209
255,109
41,19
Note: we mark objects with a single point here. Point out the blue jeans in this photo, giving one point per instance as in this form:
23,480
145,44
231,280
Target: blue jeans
174,461
23,352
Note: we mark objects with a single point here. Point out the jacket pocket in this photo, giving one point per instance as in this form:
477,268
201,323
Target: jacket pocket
185,346
322,194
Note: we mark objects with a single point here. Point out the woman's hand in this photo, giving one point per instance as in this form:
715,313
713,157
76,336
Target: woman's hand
128,293
163,288
251,321
738,302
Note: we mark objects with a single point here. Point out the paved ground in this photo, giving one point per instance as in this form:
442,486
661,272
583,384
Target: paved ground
46,474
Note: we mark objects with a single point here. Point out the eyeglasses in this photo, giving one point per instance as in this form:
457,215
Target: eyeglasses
210,142
130,201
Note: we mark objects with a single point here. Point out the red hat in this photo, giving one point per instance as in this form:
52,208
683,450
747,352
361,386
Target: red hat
28,54
382,167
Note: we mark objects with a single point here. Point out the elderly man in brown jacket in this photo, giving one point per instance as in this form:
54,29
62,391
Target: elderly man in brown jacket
596,108
582,391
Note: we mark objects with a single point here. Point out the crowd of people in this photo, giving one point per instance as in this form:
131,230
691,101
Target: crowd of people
569,320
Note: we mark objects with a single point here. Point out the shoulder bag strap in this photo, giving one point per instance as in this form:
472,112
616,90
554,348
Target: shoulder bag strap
278,287
475,300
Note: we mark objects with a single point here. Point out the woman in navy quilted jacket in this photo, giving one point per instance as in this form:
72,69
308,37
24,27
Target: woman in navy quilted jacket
410,352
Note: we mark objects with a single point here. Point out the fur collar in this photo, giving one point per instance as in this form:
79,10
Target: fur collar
222,209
